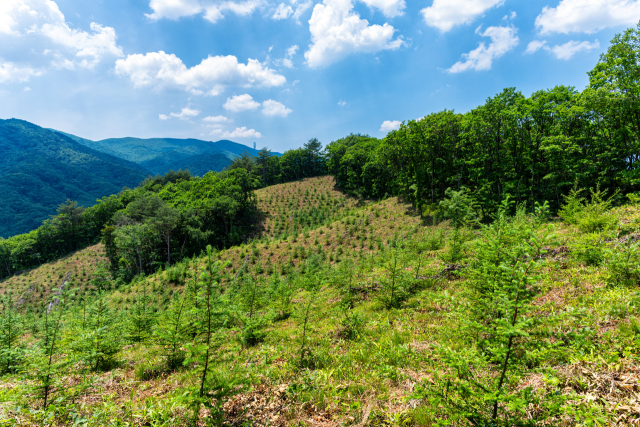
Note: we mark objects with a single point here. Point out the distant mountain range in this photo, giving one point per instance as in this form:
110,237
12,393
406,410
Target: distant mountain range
159,155
41,168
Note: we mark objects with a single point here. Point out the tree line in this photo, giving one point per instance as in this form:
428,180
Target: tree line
534,148
268,169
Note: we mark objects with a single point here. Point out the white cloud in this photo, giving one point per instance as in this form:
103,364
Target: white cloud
567,50
50,41
90,47
9,72
286,61
587,16
446,14
217,119
390,8
292,50
300,9
274,108
337,31
512,16
564,51
283,11
342,103
241,132
161,69
185,114
27,89
213,11
503,39
389,125
240,103
293,10
535,46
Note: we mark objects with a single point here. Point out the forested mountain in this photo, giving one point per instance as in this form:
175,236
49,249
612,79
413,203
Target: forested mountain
40,168
163,154
200,164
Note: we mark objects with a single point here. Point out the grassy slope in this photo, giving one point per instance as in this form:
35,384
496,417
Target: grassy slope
35,286
375,376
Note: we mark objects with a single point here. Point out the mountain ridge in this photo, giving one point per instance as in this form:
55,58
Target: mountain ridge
41,168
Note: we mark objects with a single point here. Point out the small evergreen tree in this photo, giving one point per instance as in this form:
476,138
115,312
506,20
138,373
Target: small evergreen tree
173,330
46,366
209,315
11,327
140,318
101,338
478,385
395,284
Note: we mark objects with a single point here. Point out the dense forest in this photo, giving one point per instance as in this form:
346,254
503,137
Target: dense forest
534,148
477,269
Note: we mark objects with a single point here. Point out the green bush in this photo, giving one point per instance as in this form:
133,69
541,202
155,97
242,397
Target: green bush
623,263
589,249
588,216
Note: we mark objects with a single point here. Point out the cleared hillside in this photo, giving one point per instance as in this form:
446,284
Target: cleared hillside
85,270
332,346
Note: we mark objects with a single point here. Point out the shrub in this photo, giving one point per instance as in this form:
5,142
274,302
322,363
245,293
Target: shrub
460,207
623,263
588,217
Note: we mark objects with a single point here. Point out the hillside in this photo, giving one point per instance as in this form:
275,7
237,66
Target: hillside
162,154
311,332
41,168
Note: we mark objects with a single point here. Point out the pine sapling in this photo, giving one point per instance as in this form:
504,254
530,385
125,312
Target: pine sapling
47,366
11,326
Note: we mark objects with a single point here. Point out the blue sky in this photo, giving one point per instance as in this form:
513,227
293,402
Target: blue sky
280,72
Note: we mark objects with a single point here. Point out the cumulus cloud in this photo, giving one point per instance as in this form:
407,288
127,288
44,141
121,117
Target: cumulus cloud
212,11
217,119
9,72
186,114
241,132
274,108
587,16
389,125
342,103
337,31
240,103
503,39
160,69
38,31
286,61
446,14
